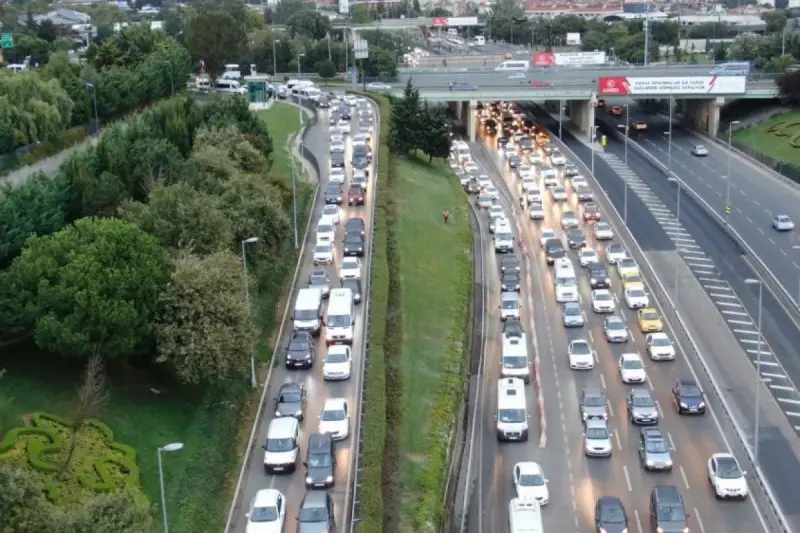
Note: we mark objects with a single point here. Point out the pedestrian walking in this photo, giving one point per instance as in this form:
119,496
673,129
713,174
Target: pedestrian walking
446,215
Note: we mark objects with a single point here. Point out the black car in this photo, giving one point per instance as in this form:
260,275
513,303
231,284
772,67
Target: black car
667,510
514,161
323,102
344,111
502,141
688,397
355,224
575,239
526,143
554,249
360,161
319,279
334,119
300,350
354,244
510,281
362,150
291,401
472,187
320,462
509,262
491,126
355,286
337,160
598,276
610,515
333,194
570,170
512,328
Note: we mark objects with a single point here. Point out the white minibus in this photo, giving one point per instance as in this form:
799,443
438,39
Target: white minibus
230,86
513,65
340,319
307,313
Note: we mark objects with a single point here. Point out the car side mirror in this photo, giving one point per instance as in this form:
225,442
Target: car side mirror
305,464
247,515
744,472
264,447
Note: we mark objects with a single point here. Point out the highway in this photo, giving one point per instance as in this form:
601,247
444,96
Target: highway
318,391
575,482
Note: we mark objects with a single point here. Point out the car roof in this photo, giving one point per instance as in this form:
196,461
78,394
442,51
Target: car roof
334,404
588,393
667,494
652,433
641,393
359,221
266,498
613,319
314,498
529,468
631,356
687,382
319,442
594,423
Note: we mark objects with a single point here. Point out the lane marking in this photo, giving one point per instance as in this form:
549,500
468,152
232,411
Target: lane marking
746,331
720,295
671,442
787,400
638,520
776,376
627,478
603,381
717,288
782,387
734,313
743,322
619,443
729,304
685,479
699,521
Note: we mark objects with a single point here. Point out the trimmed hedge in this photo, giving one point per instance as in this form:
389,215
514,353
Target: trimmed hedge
452,386
371,475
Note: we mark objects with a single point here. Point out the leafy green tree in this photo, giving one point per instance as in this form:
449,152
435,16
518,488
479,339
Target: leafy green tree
205,329
789,85
221,112
435,138
115,512
214,37
360,14
181,218
326,69
91,287
308,23
236,145
381,63
407,120
37,109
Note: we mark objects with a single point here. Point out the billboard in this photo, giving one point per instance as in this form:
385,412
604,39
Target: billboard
622,85
573,39
569,59
452,22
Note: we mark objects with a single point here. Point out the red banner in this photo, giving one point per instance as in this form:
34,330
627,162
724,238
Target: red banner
544,59
614,85
439,22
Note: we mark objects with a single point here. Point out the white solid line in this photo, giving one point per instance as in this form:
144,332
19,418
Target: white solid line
791,413
787,400
699,521
746,331
627,478
768,363
638,520
776,376
751,341
695,256
602,381
720,295
744,322
698,266
764,353
735,313
728,304
685,479
717,288
782,387
717,280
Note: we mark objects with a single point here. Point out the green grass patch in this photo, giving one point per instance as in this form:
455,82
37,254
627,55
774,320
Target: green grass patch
435,267
774,144
283,123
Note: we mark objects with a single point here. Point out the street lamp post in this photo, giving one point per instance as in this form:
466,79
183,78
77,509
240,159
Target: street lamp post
251,240
173,447
728,177
756,421
294,169
275,57
627,127
96,116
669,137
593,136
560,116
677,180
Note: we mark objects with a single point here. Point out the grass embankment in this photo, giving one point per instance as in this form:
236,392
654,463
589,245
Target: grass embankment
146,410
771,144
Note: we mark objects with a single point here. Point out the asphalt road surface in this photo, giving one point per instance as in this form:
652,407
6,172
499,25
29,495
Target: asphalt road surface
318,390
575,481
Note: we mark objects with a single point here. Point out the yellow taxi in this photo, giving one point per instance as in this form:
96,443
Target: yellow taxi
632,280
542,139
649,321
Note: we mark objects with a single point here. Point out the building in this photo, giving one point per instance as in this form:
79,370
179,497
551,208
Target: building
65,18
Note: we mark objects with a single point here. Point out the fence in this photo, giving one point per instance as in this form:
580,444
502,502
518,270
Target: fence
782,167
310,123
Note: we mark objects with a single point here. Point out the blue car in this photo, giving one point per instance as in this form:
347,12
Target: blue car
688,397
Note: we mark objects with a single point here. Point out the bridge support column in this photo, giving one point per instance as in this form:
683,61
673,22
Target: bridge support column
703,115
472,121
581,112
459,110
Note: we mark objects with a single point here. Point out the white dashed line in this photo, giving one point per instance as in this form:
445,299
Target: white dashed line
627,478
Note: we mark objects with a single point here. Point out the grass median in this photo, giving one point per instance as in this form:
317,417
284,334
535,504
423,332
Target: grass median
776,144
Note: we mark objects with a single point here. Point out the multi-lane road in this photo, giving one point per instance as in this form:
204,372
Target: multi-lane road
292,486
576,482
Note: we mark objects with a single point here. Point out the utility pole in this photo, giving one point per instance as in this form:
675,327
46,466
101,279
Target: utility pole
646,40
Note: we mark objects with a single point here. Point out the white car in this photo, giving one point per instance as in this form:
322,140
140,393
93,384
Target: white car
569,220
631,368
530,482
562,265
536,211
636,298
484,182
344,125
603,301
660,347
350,268
782,223
528,185
336,175
331,212
699,150
338,363
267,513
558,159
509,150
603,231
615,252
580,355
325,231
375,86
497,211
579,181
323,253
550,180
498,221
535,157
491,192
545,235
626,266
335,419
337,147
337,137
559,194
471,166
726,477
587,256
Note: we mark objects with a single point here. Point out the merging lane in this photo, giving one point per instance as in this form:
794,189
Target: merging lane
292,486
576,481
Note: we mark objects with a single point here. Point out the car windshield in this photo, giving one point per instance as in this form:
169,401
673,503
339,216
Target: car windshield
615,324
650,316
263,514
515,361
614,249
565,282
593,401
353,239
597,433
633,278
642,401
339,321
280,445
548,235
313,514
580,348
333,415
511,415
603,226
728,469
670,513
636,293
510,279
324,228
318,460
323,248
354,224
612,514
290,397
298,345
661,341
588,254
333,190
690,390
349,265
336,357
504,237
602,296
509,304
632,364
572,310
329,210
531,480
305,314
656,446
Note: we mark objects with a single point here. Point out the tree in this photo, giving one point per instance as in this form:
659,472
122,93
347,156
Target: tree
236,145
407,122
181,218
37,109
360,14
205,329
214,37
435,140
92,394
381,63
23,508
115,512
309,24
326,69
789,85
91,288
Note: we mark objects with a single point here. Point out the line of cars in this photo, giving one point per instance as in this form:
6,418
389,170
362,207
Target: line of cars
532,164
328,313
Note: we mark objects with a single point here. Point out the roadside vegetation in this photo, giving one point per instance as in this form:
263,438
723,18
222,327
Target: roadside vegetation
778,137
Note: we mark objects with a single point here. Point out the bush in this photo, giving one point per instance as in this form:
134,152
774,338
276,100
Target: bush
326,69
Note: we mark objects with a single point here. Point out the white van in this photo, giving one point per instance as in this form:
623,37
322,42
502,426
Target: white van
282,446
525,516
16,68
566,285
513,65
512,411
479,40
514,359
231,87
460,150
340,319
509,305
503,239
231,72
307,313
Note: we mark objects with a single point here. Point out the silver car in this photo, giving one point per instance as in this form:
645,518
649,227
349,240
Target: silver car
593,405
699,150
572,315
654,450
641,407
569,220
597,439
782,223
615,329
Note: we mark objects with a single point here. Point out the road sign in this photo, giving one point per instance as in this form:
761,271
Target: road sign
361,48
7,40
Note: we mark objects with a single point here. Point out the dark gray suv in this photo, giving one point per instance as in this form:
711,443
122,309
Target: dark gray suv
316,513
320,462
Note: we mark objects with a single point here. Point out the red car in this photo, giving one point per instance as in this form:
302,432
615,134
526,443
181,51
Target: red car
540,83
355,195
591,212
617,110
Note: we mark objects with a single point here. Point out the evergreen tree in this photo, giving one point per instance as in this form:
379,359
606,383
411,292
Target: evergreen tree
407,124
435,135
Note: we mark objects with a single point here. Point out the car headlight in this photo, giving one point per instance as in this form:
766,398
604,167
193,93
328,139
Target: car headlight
593,280
701,405
668,462
329,479
299,412
309,480
277,413
308,356
684,405
608,281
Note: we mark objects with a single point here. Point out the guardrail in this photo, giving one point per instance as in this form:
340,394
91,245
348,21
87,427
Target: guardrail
251,444
739,433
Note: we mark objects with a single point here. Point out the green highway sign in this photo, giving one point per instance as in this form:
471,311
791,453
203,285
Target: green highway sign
7,40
